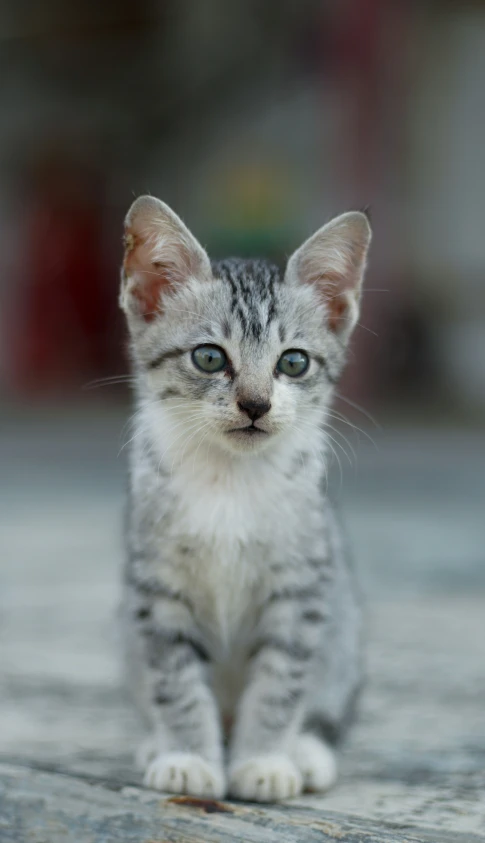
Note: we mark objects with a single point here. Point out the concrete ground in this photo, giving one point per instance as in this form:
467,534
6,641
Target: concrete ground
414,767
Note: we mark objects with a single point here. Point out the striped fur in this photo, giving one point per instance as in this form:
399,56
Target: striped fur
240,622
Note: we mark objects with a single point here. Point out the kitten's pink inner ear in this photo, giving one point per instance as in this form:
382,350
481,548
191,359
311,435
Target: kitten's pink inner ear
337,307
333,289
147,277
333,260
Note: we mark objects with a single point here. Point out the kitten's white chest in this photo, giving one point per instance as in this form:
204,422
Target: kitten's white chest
225,584
229,523
228,508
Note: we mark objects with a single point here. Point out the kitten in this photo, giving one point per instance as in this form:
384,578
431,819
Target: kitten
239,614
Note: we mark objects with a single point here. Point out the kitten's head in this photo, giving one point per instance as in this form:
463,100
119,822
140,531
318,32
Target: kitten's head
235,352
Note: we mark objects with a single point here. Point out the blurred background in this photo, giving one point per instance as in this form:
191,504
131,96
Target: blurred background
257,120
257,123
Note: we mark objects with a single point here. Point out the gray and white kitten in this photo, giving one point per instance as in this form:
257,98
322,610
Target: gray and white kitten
241,627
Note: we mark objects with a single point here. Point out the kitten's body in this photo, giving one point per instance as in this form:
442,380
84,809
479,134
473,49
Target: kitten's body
239,609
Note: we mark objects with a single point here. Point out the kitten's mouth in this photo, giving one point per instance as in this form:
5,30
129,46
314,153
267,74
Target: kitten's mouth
250,430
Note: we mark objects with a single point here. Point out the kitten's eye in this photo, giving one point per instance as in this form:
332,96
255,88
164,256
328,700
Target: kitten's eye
209,358
293,363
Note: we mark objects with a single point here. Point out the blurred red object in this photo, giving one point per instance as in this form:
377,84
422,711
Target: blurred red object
65,302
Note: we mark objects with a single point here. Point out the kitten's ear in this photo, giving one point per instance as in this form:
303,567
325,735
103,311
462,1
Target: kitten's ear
160,252
334,260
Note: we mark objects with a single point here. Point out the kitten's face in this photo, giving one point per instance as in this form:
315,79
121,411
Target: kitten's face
242,359
234,354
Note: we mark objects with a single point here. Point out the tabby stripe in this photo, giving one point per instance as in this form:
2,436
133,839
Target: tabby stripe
293,649
167,355
306,593
324,364
152,586
163,638
169,392
287,701
313,616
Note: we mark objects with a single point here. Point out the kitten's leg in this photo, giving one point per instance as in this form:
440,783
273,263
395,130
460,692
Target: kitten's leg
184,752
187,734
316,762
336,676
263,763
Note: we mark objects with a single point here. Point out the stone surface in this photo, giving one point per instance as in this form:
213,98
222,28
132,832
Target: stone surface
414,767
37,807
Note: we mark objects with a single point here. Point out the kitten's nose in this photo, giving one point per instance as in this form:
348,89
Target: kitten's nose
254,409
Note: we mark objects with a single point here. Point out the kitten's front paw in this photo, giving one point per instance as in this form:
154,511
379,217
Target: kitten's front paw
316,762
182,772
265,778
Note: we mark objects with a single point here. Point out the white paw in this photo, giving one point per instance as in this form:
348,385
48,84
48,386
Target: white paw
316,762
265,778
181,772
